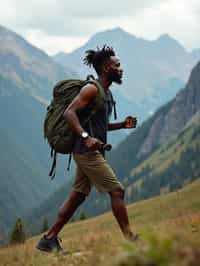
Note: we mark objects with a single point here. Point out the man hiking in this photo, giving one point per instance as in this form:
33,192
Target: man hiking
92,168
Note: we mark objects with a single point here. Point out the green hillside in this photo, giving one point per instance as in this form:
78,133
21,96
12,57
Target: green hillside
169,226
168,168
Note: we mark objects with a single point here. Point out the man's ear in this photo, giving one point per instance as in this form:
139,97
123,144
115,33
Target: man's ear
106,67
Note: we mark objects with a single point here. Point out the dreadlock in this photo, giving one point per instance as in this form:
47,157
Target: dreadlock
97,58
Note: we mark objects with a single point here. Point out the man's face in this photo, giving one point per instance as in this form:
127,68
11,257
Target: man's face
115,71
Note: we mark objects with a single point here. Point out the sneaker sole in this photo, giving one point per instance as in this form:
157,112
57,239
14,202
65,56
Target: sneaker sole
43,249
51,251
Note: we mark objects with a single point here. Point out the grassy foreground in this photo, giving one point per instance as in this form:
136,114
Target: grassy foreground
169,226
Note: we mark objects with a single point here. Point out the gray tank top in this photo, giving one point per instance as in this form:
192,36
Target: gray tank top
97,126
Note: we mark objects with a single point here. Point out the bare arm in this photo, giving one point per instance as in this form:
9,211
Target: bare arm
80,102
115,126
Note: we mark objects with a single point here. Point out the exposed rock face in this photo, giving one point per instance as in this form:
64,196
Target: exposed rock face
181,109
151,140
194,120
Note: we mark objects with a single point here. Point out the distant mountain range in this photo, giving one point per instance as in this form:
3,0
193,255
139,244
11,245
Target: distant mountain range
154,71
23,182
31,69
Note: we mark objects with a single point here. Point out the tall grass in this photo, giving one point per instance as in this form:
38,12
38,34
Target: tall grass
169,228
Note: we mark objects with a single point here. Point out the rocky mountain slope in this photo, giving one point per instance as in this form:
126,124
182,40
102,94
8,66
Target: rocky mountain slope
26,78
172,166
30,68
23,182
166,123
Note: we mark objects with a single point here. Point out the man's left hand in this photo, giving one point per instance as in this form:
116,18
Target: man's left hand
130,122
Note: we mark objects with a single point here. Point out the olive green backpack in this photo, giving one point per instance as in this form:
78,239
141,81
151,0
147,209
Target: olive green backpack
57,131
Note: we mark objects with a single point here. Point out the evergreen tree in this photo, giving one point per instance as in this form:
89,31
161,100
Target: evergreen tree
72,220
82,216
18,234
45,225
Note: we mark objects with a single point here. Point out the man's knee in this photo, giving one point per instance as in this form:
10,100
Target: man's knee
119,193
80,199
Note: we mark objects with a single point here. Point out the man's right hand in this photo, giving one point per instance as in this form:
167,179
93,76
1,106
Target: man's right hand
93,143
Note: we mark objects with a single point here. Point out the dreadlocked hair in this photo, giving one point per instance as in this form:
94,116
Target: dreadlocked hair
98,57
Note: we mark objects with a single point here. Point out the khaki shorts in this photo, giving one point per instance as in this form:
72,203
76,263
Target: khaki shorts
93,169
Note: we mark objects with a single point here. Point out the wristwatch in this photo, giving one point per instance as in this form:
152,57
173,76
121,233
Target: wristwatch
84,135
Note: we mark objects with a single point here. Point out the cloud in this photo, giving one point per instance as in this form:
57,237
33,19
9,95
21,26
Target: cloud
54,44
68,17
52,24
180,20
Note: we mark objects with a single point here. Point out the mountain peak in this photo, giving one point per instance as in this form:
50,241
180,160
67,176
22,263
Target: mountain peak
114,31
165,36
117,30
165,40
4,32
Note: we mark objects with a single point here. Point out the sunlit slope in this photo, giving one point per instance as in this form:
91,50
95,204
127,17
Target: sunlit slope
175,215
170,167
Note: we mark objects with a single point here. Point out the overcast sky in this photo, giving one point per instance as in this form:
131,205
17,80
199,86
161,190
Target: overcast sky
63,25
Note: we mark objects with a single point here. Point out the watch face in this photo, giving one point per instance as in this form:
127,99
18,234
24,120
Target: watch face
84,135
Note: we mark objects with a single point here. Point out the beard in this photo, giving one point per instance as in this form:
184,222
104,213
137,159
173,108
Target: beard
115,77
118,81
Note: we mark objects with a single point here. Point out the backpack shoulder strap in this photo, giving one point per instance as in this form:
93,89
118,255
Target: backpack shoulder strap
114,105
100,98
101,95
